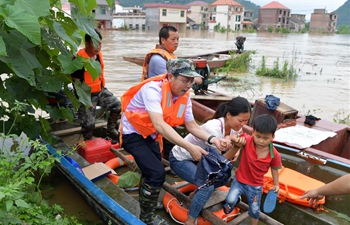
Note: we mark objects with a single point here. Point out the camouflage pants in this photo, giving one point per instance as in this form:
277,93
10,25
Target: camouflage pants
86,116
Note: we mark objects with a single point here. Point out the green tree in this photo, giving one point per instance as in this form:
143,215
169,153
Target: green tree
37,44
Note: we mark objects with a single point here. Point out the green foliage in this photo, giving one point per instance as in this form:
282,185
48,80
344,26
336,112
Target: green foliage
217,27
270,29
37,43
285,30
342,117
304,30
23,164
278,30
249,30
129,179
287,71
343,29
238,62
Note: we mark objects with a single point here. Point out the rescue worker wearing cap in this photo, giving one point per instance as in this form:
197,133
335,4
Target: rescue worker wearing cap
150,110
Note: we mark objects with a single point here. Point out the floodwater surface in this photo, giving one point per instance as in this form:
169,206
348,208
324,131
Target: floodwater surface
322,62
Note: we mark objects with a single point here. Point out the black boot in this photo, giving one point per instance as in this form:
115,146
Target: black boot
112,125
148,197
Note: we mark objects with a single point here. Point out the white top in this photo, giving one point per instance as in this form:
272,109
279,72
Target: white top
149,98
214,127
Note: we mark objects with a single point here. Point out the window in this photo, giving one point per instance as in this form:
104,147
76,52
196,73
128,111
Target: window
204,16
137,26
164,12
238,18
182,13
102,10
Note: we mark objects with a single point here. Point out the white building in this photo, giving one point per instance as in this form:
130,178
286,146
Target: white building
228,13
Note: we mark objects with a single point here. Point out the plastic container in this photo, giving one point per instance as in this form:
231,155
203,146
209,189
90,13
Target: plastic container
96,150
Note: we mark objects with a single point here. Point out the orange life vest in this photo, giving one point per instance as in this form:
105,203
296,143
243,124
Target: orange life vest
158,50
173,113
97,84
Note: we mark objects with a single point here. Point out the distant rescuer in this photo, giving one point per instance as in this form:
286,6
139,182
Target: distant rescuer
155,61
99,93
150,110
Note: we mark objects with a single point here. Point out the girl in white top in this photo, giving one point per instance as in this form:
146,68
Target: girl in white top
227,121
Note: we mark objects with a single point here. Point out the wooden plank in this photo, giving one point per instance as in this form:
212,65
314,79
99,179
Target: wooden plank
239,219
75,130
217,197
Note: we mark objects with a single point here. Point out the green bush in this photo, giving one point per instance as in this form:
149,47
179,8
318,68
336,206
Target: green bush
343,29
270,29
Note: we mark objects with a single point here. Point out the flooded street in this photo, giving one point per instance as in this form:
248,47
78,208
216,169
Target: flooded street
322,61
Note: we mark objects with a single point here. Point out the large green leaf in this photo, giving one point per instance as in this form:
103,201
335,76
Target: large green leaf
37,8
94,68
49,82
24,22
69,65
129,179
111,3
84,92
62,33
80,5
30,126
91,5
86,24
2,47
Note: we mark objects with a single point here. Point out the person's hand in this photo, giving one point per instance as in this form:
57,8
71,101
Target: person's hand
238,140
197,152
276,188
312,196
198,80
221,144
91,106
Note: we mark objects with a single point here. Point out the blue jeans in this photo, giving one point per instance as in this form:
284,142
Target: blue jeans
186,169
253,194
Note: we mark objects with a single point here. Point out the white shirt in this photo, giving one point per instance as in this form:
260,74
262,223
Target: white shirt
149,98
214,127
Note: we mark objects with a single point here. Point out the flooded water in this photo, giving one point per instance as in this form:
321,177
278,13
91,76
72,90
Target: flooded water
323,63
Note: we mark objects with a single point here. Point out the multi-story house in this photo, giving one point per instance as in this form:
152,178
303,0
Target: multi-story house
198,12
103,14
321,21
228,13
129,17
297,22
248,19
161,14
273,15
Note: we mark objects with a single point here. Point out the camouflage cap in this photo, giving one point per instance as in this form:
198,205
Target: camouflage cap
184,67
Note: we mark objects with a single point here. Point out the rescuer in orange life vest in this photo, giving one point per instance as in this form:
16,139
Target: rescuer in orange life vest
150,110
100,95
155,64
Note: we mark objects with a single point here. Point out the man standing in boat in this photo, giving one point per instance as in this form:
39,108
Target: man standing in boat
100,95
155,64
149,111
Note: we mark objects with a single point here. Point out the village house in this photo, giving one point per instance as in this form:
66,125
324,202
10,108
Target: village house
226,13
162,14
297,22
273,15
128,17
321,21
248,20
103,14
198,13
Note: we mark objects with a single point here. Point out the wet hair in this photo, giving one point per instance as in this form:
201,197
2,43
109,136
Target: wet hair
88,37
265,124
235,107
164,32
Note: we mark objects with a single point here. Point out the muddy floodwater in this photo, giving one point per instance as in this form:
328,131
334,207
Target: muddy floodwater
322,87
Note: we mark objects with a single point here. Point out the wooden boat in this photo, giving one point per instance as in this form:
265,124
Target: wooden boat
324,161
119,206
214,59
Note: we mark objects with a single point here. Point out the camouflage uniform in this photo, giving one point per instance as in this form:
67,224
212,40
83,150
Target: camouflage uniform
86,117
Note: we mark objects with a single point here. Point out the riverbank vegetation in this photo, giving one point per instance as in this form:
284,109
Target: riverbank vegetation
285,71
237,63
35,59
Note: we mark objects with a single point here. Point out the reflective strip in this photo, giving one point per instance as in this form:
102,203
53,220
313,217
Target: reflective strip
181,110
169,99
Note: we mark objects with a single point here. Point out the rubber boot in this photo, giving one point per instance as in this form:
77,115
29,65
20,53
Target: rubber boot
112,125
148,198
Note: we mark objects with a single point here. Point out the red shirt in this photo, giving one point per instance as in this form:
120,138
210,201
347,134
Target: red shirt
251,169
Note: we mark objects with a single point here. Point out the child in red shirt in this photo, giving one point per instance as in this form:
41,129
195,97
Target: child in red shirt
257,156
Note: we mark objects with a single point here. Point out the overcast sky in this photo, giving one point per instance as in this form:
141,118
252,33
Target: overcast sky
305,6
